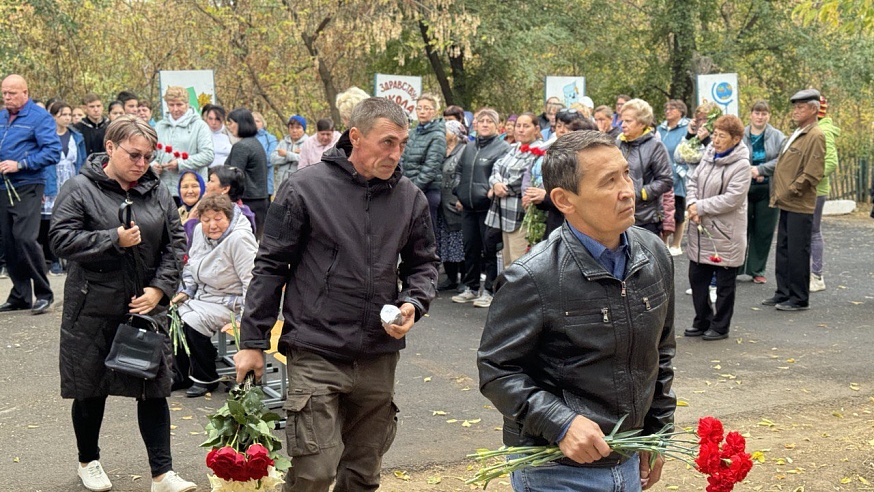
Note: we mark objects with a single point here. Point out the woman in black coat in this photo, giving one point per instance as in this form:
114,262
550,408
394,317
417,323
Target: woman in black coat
114,271
248,155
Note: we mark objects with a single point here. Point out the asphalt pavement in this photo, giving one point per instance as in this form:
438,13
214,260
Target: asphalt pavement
771,360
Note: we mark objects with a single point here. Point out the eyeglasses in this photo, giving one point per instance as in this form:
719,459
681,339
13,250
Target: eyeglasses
424,108
136,156
566,111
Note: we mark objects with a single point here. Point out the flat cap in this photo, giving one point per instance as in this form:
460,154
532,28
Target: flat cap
805,95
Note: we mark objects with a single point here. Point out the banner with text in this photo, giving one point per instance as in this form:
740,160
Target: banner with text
200,85
402,89
568,89
720,88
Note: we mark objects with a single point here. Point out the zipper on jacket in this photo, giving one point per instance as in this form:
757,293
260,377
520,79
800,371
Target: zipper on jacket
472,175
330,270
647,304
623,292
368,291
606,313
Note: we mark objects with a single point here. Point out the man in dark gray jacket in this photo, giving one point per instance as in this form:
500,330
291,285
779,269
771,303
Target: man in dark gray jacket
337,261
581,330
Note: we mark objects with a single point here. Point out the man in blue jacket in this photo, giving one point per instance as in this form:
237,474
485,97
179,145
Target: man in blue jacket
28,143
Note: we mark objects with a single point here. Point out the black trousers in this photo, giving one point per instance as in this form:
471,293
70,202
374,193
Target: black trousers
700,275
200,365
19,226
259,208
792,259
479,251
153,416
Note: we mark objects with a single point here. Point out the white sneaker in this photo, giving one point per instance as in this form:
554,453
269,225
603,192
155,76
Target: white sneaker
712,295
465,297
483,301
675,251
93,477
173,483
817,284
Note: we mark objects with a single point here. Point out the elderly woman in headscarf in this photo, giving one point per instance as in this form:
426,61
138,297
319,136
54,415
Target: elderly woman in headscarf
450,243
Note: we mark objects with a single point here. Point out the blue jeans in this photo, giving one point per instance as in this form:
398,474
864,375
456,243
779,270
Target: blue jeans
563,478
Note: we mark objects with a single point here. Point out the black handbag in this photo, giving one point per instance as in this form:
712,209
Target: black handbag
138,346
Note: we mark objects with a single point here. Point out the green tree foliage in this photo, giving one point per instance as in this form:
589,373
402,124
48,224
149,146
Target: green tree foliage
284,56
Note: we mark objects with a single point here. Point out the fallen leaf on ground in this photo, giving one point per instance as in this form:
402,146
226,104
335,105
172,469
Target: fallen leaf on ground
427,379
438,412
682,403
434,480
402,475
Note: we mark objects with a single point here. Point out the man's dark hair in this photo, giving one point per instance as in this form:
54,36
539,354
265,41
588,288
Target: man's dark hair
324,125
560,166
125,96
625,97
246,126
581,124
233,177
568,116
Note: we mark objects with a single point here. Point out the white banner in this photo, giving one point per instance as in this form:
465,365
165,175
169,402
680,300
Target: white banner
722,89
402,89
200,85
568,89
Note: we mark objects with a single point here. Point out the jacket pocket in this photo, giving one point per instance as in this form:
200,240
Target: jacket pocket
722,229
300,434
73,307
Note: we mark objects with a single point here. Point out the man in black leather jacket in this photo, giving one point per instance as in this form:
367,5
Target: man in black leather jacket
581,330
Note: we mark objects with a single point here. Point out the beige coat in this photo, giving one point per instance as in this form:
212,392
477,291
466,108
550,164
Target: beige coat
719,188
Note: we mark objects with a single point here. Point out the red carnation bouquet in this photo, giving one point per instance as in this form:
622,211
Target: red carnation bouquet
722,459
244,453
167,152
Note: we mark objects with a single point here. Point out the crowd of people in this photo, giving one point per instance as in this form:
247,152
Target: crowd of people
547,194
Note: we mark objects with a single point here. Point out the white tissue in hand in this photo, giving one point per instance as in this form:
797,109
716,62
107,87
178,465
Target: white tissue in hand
391,315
